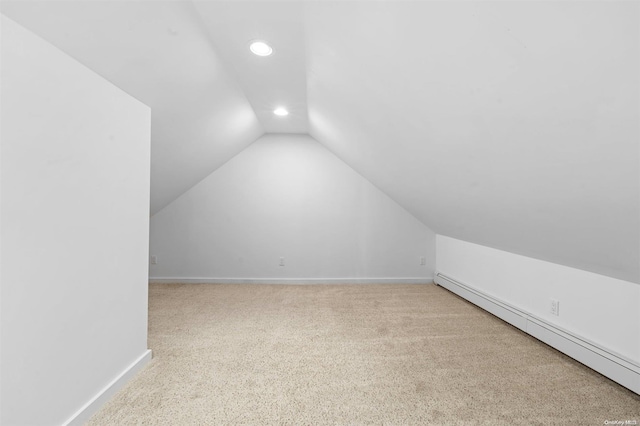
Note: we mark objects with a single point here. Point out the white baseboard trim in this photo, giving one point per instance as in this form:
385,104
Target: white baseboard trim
91,407
605,361
200,280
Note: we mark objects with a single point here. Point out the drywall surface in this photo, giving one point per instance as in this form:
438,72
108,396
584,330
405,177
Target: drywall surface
601,309
519,118
287,196
75,188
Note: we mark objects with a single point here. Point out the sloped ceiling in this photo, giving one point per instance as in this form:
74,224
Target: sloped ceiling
269,82
509,124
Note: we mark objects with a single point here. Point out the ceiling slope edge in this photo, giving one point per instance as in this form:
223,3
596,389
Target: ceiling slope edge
326,146
179,196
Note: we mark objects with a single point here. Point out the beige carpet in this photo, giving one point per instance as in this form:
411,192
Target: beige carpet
350,355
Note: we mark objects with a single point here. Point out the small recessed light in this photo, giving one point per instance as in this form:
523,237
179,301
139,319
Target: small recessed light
281,112
260,48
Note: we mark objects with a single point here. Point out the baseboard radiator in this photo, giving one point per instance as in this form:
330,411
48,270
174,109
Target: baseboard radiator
614,366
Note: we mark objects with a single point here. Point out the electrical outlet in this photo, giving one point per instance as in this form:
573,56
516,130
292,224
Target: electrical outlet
154,260
282,261
423,261
555,307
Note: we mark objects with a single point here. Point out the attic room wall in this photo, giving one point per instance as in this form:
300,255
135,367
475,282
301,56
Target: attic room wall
75,188
597,308
287,196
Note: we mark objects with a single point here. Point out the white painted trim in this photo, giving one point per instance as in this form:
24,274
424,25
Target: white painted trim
603,360
94,404
199,280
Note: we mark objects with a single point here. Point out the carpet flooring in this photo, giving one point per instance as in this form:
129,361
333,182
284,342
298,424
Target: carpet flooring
351,355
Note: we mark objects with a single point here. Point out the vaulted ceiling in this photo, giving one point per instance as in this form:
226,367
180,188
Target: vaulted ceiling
509,124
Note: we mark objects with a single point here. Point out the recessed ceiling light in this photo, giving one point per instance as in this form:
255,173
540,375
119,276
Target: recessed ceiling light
281,112
260,48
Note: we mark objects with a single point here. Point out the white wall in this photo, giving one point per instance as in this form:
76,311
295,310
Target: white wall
604,310
75,188
287,196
